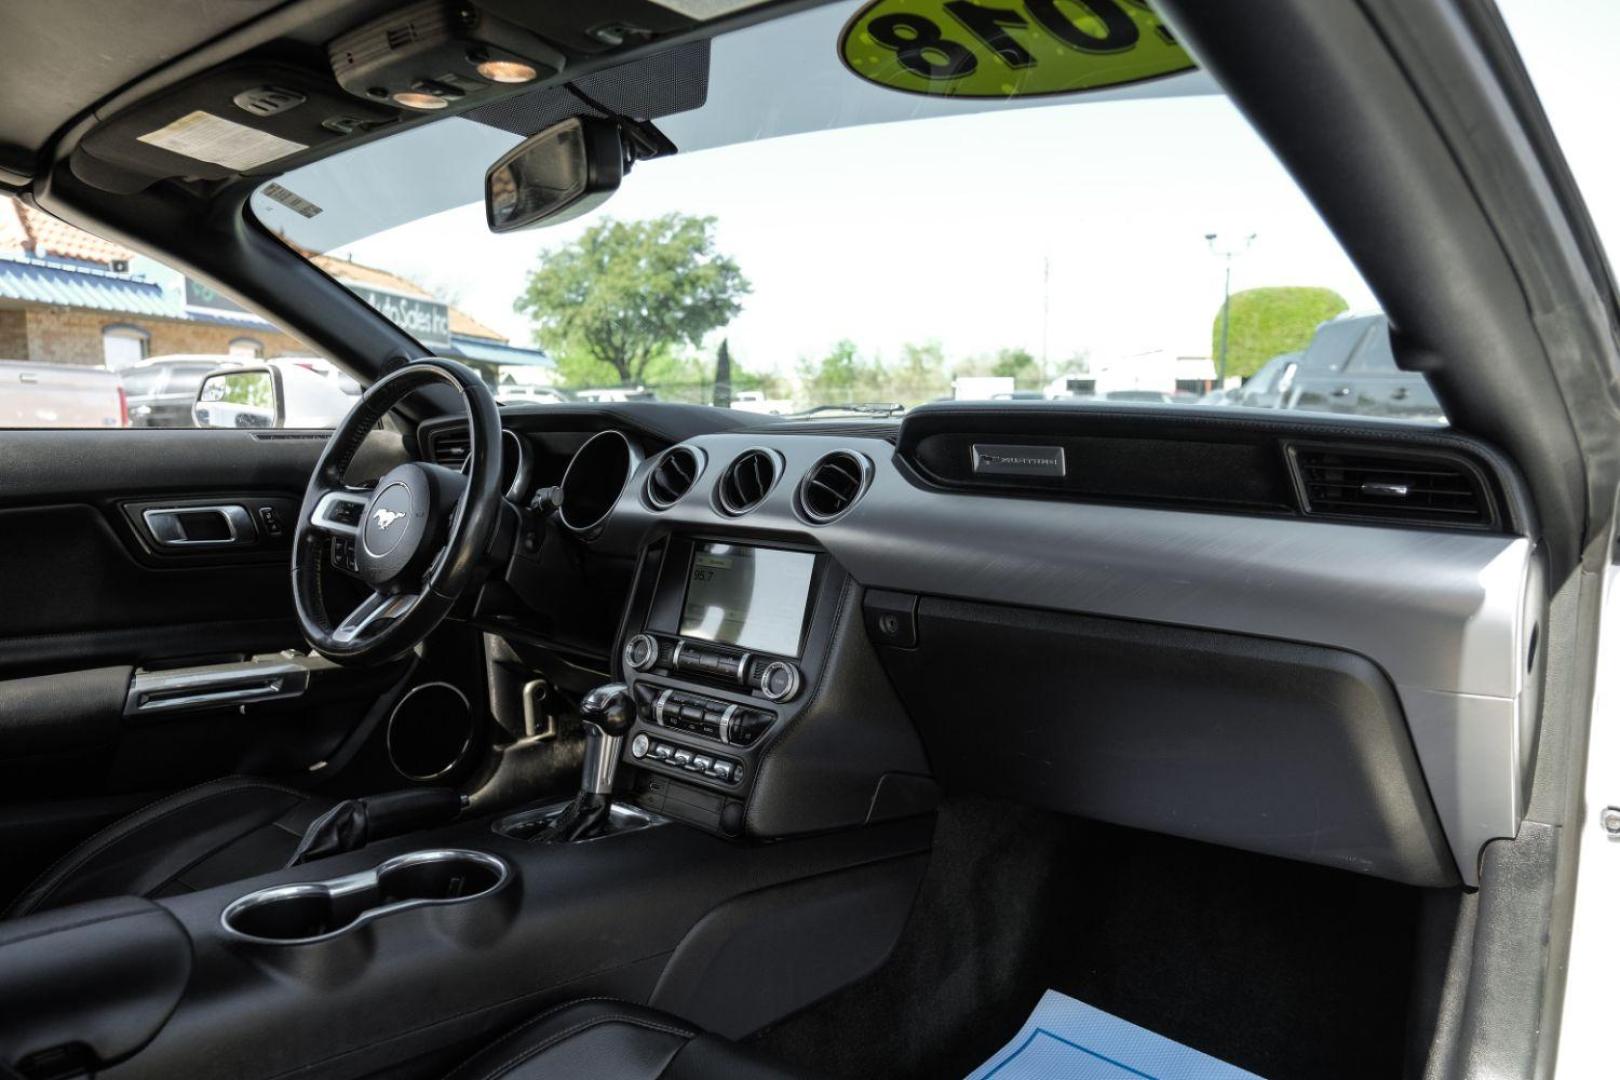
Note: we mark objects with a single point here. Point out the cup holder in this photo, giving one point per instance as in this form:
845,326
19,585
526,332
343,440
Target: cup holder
315,911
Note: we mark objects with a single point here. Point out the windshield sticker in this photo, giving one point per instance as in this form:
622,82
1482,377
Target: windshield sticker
1027,48
294,202
203,136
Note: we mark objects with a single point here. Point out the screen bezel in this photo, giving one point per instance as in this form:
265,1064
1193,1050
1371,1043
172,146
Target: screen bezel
694,545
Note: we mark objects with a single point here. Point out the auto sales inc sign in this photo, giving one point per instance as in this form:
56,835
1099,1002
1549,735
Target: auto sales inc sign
428,321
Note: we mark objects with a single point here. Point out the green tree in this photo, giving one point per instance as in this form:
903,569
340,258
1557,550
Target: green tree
1271,321
840,377
577,369
627,294
920,376
1020,366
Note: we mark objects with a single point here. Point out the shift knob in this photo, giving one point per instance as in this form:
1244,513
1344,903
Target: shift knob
610,708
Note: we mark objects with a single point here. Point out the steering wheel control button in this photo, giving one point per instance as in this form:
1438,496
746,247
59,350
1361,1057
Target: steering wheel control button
779,681
641,653
640,745
343,553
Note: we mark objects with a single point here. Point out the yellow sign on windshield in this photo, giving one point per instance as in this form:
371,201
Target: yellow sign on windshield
1019,48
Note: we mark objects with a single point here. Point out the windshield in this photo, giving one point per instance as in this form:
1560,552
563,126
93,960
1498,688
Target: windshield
830,238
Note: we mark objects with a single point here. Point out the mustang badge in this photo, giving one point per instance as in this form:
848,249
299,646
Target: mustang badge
384,517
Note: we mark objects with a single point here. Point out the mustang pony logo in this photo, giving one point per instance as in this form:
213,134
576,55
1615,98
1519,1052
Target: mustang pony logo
384,517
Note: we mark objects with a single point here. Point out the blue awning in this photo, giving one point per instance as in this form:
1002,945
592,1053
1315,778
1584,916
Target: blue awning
36,282
493,352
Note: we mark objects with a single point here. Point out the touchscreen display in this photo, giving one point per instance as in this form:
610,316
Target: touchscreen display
750,597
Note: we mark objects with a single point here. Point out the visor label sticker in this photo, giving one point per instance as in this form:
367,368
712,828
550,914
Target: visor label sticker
202,136
1009,49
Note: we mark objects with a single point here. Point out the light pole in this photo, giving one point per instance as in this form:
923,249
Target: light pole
1228,254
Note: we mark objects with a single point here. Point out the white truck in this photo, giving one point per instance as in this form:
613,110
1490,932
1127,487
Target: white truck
60,396
982,387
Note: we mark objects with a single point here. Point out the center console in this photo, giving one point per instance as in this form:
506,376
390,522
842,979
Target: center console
728,646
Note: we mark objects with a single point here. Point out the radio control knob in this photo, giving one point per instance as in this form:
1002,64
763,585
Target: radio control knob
640,653
779,681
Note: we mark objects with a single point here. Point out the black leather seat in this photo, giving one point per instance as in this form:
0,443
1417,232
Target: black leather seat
602,1039
217,832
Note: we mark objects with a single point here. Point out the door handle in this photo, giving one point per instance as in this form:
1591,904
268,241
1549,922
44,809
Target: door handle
227,525
213,686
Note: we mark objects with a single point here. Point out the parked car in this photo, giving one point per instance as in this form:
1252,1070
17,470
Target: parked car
1264,389
1151,397
60,395
615,395
530,395
162,389
1349,367
755,401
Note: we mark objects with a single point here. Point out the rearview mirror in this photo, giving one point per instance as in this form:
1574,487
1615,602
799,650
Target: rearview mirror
567,170
239,398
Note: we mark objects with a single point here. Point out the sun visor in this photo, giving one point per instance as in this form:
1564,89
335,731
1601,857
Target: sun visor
249,118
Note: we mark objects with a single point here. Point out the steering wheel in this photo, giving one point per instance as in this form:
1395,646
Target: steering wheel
417,537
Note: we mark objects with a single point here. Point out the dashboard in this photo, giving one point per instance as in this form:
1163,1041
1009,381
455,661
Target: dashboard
1312,638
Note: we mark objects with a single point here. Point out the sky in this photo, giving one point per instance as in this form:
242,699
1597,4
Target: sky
1060,229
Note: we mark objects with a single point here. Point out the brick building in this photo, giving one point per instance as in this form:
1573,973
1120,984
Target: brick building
67,297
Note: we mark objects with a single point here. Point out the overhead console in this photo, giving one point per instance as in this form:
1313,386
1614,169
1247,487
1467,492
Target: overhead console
335,81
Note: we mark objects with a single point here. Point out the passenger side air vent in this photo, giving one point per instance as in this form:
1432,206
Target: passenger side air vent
747,481
833,485
1408,486
673,476
450,448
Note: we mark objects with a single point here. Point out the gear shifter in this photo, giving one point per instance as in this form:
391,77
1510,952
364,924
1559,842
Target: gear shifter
608,711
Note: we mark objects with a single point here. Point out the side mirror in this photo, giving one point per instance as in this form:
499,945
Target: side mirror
567,170
248,397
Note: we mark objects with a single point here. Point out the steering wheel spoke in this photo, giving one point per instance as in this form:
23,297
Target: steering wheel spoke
374,609
340,512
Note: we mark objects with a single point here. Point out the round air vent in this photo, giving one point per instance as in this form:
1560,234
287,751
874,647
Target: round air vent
747,481
833,485
673,476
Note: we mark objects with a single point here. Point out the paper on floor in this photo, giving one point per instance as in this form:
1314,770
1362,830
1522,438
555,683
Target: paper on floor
1065,1039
